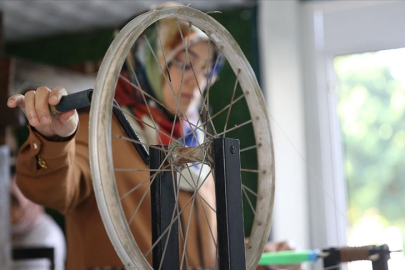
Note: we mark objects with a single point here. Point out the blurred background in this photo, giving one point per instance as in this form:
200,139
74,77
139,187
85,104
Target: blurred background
332,73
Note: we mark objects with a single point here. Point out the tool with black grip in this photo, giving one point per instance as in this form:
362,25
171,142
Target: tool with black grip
82,99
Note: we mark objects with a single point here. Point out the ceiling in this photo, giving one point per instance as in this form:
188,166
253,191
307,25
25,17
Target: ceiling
36,18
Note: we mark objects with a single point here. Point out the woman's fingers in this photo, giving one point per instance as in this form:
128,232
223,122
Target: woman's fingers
286,245
30,112
66,122
54,98
35,105
276,247
42,105
66,116
56,94
16,100
279,246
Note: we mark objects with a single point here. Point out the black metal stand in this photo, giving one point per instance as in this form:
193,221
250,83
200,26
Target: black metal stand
333,260
228,191
383,256
163,201
27,253
229,208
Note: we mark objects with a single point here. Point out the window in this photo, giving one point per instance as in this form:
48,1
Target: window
344,45
371,110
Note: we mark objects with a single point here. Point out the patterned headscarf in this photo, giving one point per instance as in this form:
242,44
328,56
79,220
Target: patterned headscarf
171,35
150,63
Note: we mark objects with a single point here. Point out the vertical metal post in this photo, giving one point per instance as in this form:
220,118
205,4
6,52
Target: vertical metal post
332,261
5,245
6,117
383,256
163,203
228,191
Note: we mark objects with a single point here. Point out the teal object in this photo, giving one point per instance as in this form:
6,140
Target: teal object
289,257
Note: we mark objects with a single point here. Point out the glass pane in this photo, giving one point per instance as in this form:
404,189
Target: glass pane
371,108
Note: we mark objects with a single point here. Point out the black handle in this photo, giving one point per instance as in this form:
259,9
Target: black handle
73,101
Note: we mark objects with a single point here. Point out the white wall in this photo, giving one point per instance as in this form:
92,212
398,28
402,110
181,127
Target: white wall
279,26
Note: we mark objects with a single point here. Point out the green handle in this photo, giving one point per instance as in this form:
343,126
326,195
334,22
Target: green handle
288,257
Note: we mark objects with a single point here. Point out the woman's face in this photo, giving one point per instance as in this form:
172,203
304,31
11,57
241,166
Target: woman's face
186,87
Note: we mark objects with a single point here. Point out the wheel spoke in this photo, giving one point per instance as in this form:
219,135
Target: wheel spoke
202,198
236,127
176,192
248,189
207,96
201,94
199,128
143,182
176,98
135,188
146,191
187,230
139,120
249,148
186,46
221,111
206,217
249,170
138,170
154,147
229,105
154,127
232,98
182,77
250,203
125,138
191,174
177,211
147,94
128,62
141,201
206,106
177,217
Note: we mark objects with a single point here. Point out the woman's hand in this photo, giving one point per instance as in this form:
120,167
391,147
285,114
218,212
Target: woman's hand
35,105
275,247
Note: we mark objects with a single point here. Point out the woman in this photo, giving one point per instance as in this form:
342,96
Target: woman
53,164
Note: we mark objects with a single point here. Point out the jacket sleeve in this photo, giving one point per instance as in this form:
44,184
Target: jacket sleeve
56,174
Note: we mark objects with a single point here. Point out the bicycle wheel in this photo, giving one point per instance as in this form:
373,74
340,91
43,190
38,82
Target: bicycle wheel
125,221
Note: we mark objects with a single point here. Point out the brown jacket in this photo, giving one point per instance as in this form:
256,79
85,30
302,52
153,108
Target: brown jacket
66,185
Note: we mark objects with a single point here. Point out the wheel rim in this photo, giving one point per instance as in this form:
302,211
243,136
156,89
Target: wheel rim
107,195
